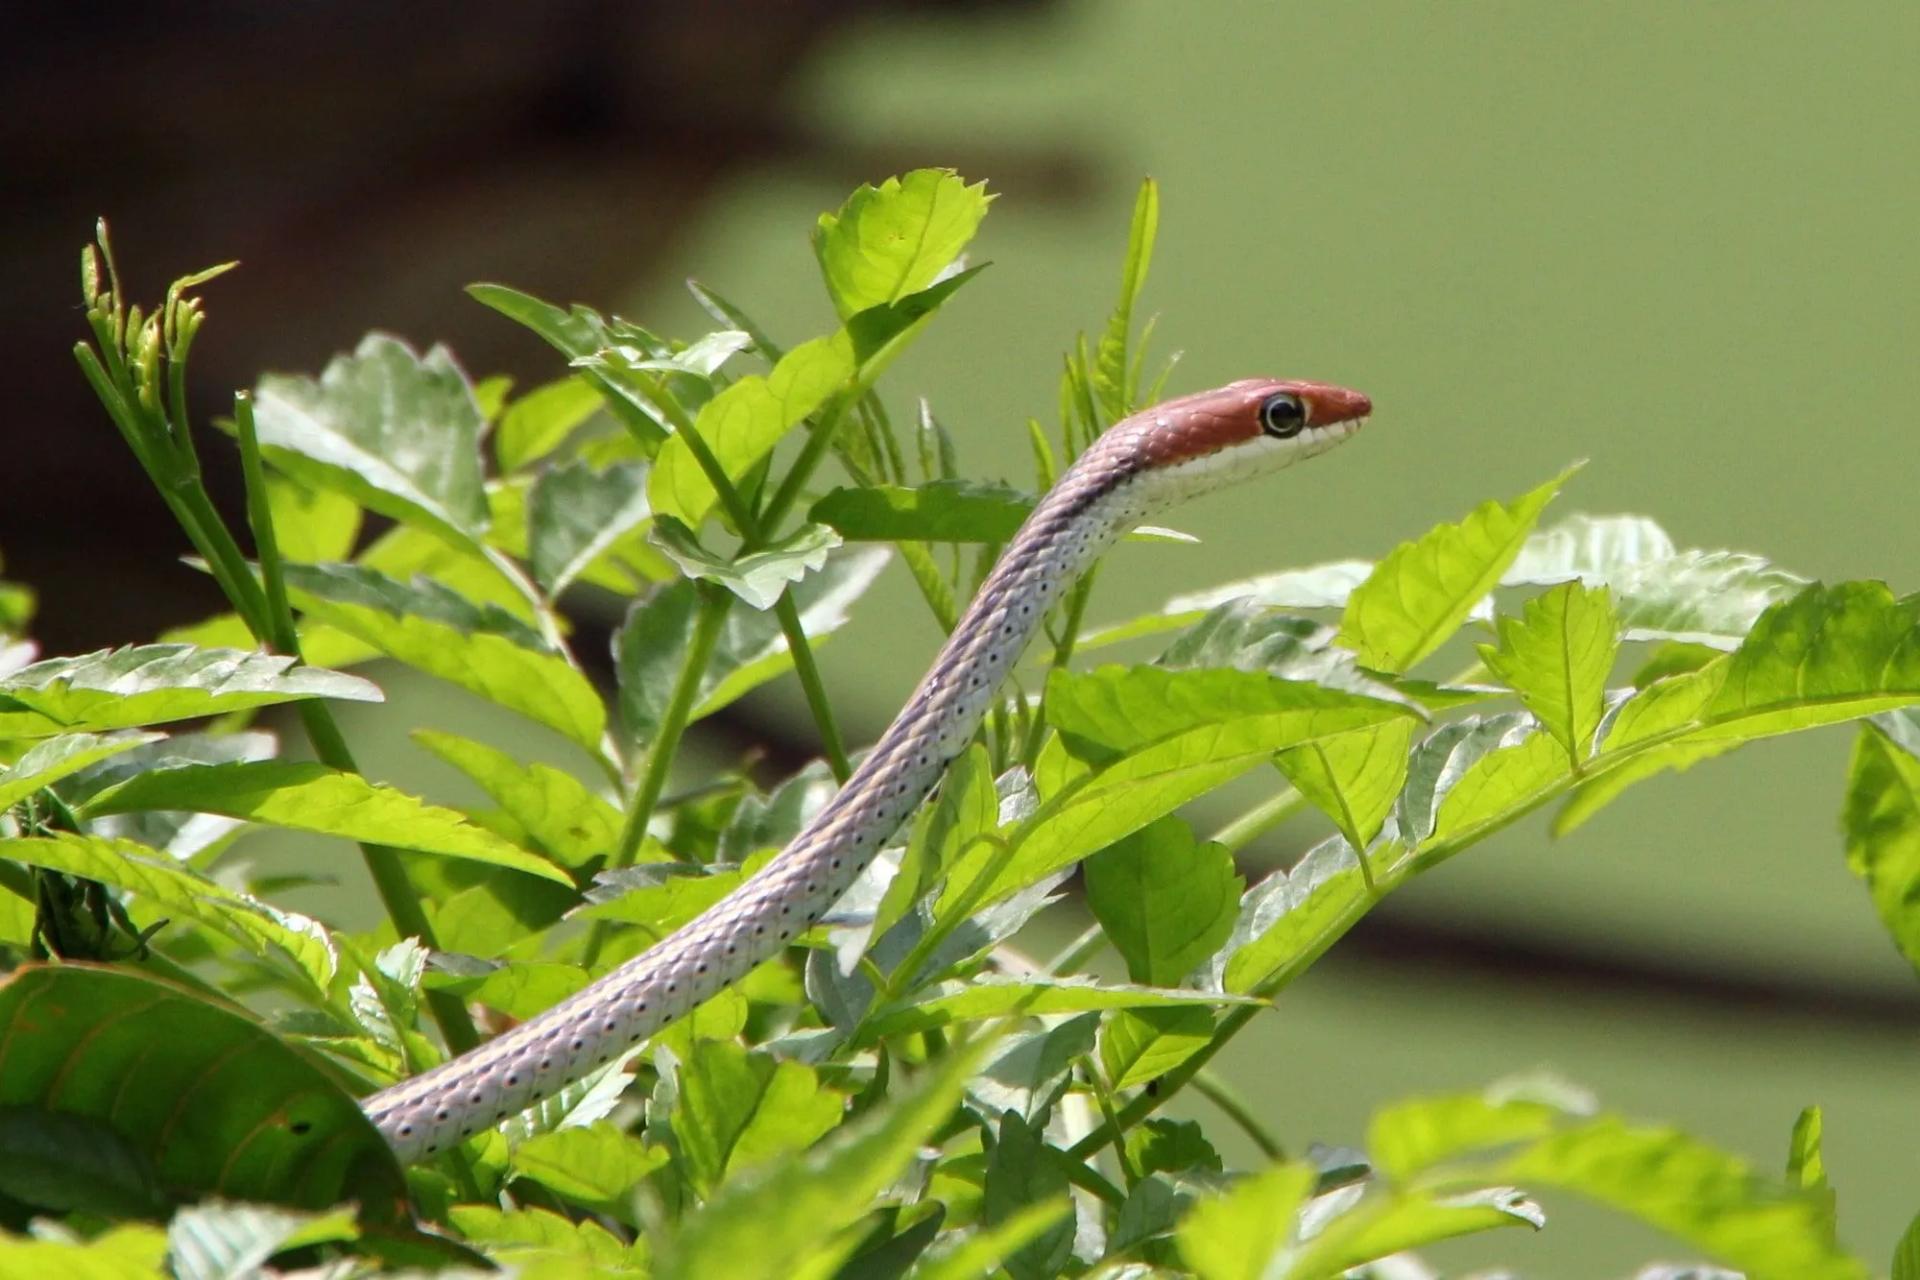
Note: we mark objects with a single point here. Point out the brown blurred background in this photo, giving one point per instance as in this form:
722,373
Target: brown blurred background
1674,240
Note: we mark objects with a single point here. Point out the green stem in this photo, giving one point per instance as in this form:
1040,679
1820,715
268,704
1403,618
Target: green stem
283,634
177,351
155,453
1259,820
17,881
1098,1088
180,487
754,534
809,672
1330,931
277,630
1077,952
1210,1085
1406,863
811,455
1075,614
686,689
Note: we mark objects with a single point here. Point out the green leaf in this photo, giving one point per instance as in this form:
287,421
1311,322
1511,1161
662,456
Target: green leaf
1420,594
1408,1138
1289,918
741,425
1705,1197
397,433
751,651
659,898
1511,777
1022,1171
893,240
1171,1146
738,1109
481,648
518,988
312,797
799,1201
1828,655
596,1166
1113,710
580,333
66,1163
536,424
216,1105
234,1241
311,524
409,555
1589,549
1906,1254
651,646
1324,586
1352,777
528,1234
1882,825
995,995
939,511
1384,1225
131,1251
1139,1045
1233,1236
1184,733
1115,378
157,683
1444,756
1805,1167
725,313
702,358
758,577
981,1252
569,823
183,836
575,514
1903,726
1031,1069
880,334
1147,1216
490,393
1557,656
1241,635
1165,902
1699,597
181,892
966,809
649,651
55,758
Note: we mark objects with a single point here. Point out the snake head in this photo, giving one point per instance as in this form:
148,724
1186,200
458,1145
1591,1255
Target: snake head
1274,420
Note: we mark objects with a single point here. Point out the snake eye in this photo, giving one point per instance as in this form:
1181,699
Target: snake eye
1282,416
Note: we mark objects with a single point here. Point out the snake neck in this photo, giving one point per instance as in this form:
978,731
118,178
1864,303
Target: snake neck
1097,499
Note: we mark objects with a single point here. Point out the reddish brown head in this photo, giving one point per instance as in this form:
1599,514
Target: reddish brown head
1313,416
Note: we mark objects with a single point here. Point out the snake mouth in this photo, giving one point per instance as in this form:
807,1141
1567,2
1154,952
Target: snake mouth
1342,428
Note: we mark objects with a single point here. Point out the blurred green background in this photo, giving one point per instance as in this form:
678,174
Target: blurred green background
1674,240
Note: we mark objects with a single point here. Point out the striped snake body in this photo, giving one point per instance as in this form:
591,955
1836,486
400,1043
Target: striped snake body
1142,464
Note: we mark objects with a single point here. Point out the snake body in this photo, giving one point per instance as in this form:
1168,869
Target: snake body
1140,465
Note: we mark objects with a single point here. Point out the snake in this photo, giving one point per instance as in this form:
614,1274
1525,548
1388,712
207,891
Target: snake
1159,456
